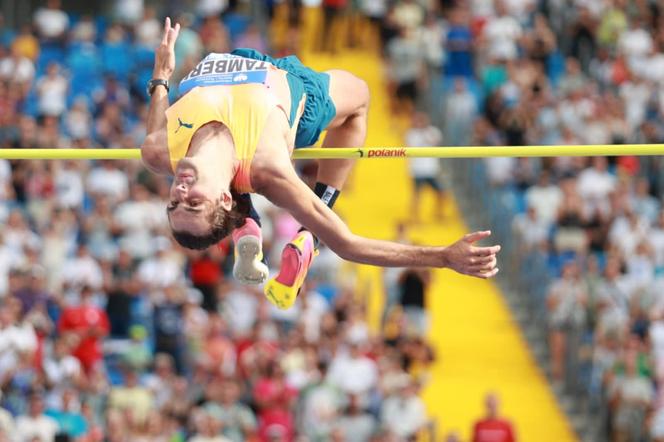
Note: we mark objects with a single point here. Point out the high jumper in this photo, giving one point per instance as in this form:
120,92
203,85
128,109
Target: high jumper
232,132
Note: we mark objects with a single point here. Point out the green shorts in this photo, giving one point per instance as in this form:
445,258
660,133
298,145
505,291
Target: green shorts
319,110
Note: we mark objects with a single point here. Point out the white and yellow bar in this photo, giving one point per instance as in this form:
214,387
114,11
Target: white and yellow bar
369,152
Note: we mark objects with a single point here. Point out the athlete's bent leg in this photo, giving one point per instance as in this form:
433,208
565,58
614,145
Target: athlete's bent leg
348,129
350,95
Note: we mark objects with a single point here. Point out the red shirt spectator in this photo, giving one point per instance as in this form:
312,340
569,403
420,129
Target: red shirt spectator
493,428
90,324
273,398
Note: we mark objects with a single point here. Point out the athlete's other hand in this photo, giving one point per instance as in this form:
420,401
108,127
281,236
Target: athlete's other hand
164,57
467,259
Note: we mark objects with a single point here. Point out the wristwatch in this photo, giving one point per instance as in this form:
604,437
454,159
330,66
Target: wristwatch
152,84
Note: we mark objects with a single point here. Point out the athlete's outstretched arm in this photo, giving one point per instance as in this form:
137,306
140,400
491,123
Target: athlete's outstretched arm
154,150
285,189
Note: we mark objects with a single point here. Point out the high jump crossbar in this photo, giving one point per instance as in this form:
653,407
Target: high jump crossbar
370,152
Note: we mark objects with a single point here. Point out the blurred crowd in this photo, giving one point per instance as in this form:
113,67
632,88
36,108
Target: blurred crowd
110,332
519,72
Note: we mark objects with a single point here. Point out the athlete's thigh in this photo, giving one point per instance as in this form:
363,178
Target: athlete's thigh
349,93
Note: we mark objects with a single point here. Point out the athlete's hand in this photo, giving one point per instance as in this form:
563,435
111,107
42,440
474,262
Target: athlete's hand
164,56
467,259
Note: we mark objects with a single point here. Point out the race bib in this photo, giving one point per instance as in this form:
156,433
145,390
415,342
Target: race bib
225,70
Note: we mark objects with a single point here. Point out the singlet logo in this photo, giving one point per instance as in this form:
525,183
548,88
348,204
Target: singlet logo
181,124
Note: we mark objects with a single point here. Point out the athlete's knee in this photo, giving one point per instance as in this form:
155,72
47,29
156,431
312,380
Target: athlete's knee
348,91
362,93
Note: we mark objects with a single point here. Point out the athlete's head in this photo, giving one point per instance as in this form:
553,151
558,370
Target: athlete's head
202,211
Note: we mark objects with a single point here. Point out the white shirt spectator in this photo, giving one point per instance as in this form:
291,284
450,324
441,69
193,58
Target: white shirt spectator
656,237
19,238
78,120
82,270
573,114
635,44
656,333
68,188
406,59
108,181
546,200
374,8
423,137
531,229
15,339
206,8
654,68
17,70
59,371
6,261
519,8
502,34
482,8
364,378
635,94
5,179
148,32
640,270
626,234
52,93
6,424
594,186
404,416
51,23
42,428
500,170
240,310
139,215
159,271
314,307
129,11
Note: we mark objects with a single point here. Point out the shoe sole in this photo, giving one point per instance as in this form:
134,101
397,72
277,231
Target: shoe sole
247,269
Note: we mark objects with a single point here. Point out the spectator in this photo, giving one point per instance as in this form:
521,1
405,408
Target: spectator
207,429
425,171
321,404
531,230
460,108
51,22
406,60
332,10
631,395
566,302
52,91
238,420
87,324
18,71
70,421
82,271
353,361
545,198
502,33
493,428
36,424
131,398
109,181
403,412
356,423
413,285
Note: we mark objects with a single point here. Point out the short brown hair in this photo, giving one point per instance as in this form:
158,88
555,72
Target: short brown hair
222,223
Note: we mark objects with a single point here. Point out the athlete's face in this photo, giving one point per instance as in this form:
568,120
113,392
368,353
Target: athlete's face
192,198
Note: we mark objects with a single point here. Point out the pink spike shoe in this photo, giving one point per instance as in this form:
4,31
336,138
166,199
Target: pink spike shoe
248,267
295,262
